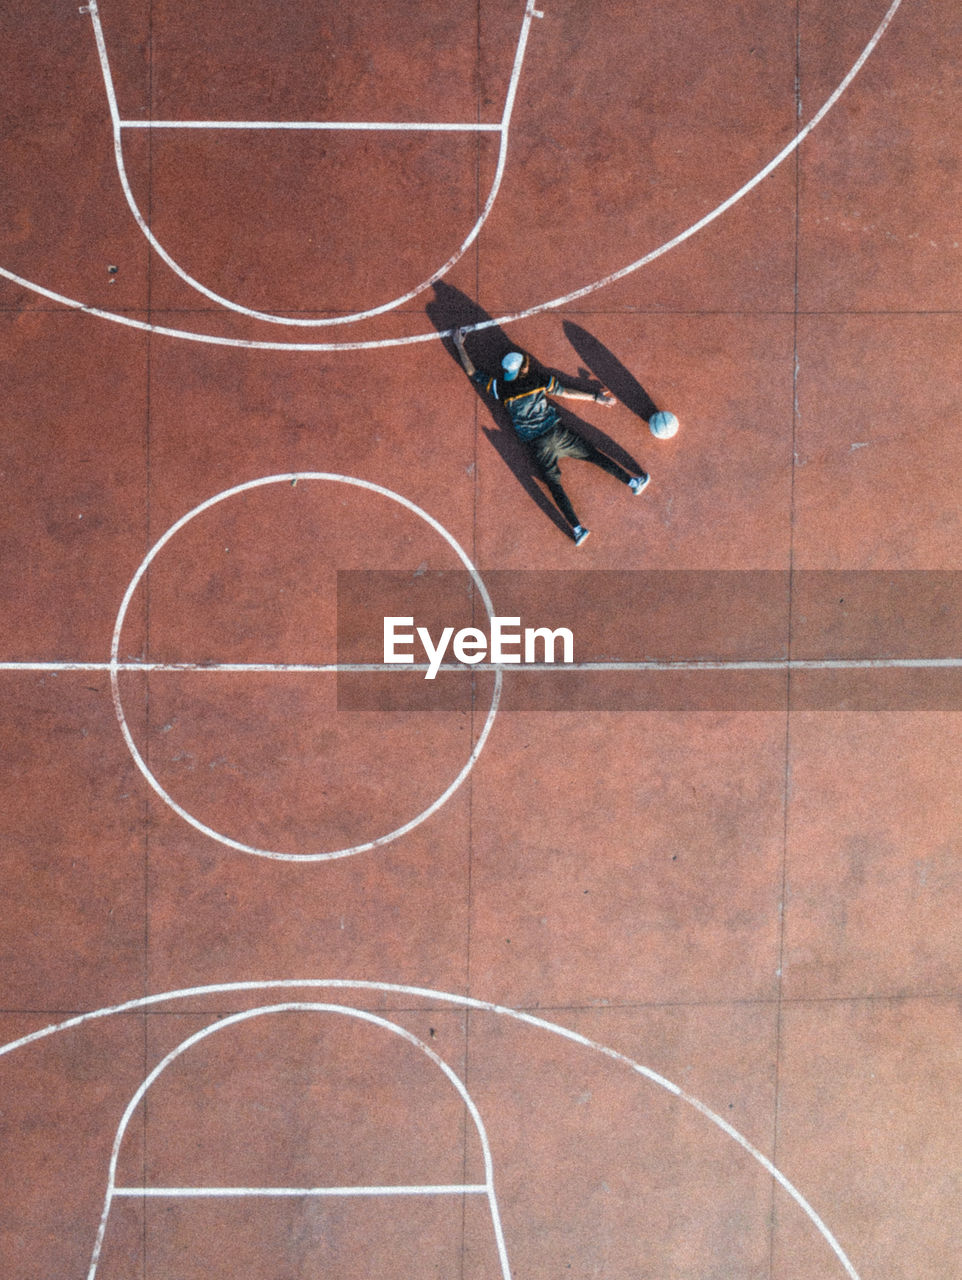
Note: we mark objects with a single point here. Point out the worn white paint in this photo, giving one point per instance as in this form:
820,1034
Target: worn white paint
368,126
508,318
222,1024
502,128
372,668
464,1002
115,667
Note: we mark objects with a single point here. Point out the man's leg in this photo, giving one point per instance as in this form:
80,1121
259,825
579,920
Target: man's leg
546,461
572,444
591,454
552,479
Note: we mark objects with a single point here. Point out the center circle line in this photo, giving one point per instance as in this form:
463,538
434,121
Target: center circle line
116,666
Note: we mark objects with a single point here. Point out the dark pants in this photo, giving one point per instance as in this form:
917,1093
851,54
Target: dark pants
564,442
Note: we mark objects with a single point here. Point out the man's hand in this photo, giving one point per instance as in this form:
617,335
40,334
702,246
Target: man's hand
457,336
604,396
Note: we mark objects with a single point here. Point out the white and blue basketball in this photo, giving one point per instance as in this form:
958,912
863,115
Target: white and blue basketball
663,425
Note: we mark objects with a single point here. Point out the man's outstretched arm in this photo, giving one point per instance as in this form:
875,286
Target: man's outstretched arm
603,396
465,359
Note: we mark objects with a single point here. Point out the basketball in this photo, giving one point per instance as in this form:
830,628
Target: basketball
663,425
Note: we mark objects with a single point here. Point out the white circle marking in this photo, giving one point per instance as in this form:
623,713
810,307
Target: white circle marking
115,668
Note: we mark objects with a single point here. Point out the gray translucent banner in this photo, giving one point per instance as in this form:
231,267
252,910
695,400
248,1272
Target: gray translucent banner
698,640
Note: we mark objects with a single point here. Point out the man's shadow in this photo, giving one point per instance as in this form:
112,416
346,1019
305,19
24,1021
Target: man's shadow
624,386
450,309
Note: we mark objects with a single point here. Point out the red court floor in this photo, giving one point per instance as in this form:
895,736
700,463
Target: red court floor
645,967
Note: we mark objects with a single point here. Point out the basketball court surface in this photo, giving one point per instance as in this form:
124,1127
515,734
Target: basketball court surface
644,966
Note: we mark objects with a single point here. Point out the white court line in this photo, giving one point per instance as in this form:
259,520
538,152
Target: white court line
465,1002
311,322
374,668
225,1193
313,1007
115,666
382,126
190,335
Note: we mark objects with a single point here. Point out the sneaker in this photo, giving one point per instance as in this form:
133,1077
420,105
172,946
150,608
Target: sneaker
638,483
580,533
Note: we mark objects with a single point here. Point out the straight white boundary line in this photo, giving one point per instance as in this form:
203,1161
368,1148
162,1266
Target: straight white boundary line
226,1193
385,126
560,668
465,1002
291,478
313,1007
189,335
307,322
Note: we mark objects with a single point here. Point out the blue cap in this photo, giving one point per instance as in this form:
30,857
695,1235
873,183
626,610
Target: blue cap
511,363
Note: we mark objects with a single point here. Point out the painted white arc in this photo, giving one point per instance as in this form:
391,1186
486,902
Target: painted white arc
301,321
362,1015
188,335
116,666
458,1001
